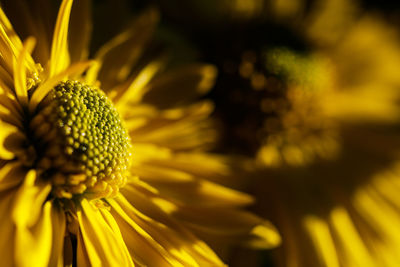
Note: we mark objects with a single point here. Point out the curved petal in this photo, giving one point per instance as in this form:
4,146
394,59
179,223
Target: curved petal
179,129
36,245
119,55
183,177
8,139
59,58
135,87
10,110
11,174
7,228
223,222
58,222
82,253
187,189
322,238
29,200
100,239
21,89
11,45
32,18
228,225
35,219
159,241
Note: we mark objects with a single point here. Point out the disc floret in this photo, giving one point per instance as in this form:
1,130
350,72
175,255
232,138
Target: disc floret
85,147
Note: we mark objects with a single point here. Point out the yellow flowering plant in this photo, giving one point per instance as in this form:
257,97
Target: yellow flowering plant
104,161
325,158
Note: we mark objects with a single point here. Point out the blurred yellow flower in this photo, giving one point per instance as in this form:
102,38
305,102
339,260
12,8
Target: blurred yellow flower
113,177
339,81
327,170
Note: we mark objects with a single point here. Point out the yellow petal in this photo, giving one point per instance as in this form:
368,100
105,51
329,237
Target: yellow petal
11,174
59,58
7,228
208,165
6,133
332,19
32,18
7,81
185,188
323,242
21,89
148,214
101,238
8,54
9,103
32,216
227,224
180,129
139,243
7,116
381,216
11,44
119,55
154,243
82,253
58,222
29,200
14,40
351,241
178,176
33,245
136,85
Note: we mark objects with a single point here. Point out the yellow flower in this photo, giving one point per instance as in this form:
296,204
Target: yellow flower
327,170
112,177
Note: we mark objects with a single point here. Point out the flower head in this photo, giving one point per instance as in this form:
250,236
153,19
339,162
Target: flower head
101,162
315,107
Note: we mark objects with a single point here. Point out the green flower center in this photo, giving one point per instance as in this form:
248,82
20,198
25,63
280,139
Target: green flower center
85,147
